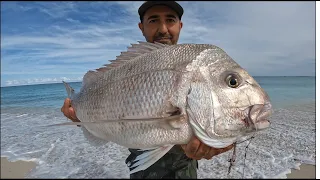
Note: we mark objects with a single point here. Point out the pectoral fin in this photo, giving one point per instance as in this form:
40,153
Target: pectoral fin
148,158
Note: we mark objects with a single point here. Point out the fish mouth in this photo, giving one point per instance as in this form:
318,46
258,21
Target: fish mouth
258,116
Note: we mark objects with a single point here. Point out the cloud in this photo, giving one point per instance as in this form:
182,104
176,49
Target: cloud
66,39
41,81
259,33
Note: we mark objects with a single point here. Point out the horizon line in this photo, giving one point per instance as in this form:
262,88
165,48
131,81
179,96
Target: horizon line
77,81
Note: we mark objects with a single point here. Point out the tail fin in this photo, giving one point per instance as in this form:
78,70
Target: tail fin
69,90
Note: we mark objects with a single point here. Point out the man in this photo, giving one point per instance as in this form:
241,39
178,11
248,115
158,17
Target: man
160,21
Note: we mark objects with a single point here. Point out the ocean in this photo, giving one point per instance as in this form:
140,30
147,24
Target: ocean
63,152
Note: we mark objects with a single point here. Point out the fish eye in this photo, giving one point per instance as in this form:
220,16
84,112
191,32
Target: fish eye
232,81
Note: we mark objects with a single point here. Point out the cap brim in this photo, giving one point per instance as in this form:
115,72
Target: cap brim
171,4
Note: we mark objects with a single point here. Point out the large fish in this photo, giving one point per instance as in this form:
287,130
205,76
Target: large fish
155,96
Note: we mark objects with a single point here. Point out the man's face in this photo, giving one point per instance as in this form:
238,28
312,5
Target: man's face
161,24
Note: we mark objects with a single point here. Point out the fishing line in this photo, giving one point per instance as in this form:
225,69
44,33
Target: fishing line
233,158
245,156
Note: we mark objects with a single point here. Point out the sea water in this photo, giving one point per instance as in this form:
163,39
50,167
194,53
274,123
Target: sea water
63,152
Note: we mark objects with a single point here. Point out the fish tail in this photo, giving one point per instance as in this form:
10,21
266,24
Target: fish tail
69,90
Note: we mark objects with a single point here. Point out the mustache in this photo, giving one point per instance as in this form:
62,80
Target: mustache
161,36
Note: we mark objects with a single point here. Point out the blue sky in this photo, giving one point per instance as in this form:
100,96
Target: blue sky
44,42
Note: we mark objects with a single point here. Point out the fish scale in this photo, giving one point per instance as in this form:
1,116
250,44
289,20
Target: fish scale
129,97
155,96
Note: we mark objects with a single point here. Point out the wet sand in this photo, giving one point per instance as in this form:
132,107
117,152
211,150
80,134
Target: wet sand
16,169
306,172
19,169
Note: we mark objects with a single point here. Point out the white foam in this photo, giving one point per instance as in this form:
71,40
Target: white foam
62,152
22,115
281,175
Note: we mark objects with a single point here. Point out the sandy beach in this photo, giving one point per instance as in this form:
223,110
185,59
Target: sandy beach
16,169
19,169
306,172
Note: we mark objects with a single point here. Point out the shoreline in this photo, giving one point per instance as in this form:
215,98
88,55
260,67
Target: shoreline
19,169
307,171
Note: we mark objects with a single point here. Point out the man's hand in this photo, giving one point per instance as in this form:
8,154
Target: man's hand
195,149
68,111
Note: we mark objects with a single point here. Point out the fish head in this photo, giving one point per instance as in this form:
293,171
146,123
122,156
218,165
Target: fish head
241,105
238,106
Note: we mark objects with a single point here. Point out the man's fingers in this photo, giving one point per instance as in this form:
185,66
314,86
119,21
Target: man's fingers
202,151
215,151
67,102
227,148
192,147
212,152
73,115
195,149
68,111
65,108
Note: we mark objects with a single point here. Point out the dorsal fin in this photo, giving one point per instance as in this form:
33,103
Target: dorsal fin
89,78
135,50
132,52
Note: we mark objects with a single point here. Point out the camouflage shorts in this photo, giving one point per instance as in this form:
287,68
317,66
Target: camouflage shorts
174,165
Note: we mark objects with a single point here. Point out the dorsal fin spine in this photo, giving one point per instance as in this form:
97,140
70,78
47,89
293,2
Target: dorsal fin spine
136,50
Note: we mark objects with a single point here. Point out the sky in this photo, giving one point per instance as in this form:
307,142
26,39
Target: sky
46,42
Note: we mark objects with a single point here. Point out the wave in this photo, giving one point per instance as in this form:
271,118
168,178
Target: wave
64,153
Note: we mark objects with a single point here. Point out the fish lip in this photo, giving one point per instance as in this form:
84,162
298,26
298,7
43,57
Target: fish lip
261,122
265,112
